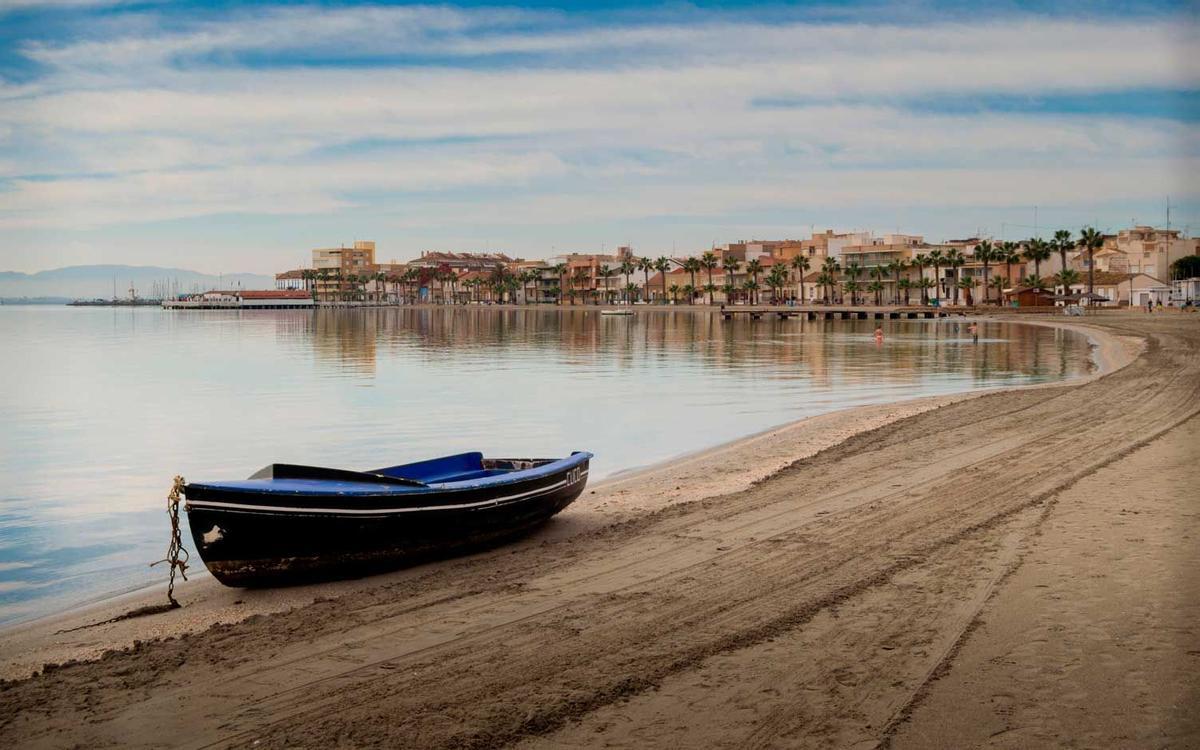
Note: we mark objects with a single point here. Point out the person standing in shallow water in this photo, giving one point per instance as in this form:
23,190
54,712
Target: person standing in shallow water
974,331
879,334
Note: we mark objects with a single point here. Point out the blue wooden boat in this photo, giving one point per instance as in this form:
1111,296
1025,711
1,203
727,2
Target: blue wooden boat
289,523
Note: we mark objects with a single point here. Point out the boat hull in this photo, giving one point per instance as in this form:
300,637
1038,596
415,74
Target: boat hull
248,544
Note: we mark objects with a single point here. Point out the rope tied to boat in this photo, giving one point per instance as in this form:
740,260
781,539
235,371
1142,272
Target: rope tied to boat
177,557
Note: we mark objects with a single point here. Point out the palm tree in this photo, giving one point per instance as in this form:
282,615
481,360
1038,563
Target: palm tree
708,262
852,287
954,260
630,289
381,278
645,265
751,286
776,281
579,282
729,290
1009,254
985,253
754,268
691,265
926,284
919,261
1066,278
606,273
825,280
627,267
936,259
830,270
1062,243
560,270
1091,240
876,286
1033,281
801,264
894,269
998,282
903,285
731,266
674,293
967,284
853,270
690,292
662,265
1037,250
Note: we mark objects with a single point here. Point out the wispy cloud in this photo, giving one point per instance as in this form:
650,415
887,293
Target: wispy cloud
303,110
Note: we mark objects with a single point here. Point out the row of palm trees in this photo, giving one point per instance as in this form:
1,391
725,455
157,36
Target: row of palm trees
986,253
501,284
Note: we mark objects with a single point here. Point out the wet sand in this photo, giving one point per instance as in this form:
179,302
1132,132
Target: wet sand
814,590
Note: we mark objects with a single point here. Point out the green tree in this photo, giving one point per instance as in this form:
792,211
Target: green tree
692,266
708,262
662,265
967,284
1037,250
985,253
1066,278
645,265
955,260
1062,242
935,259
894,269
732,266
852,287
800,264
754,268
876,285
730,292
560,270
1187,267
919,261
627,268
1091,240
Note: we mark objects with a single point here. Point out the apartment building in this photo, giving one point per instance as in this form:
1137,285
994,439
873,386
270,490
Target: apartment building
357,259
1142,249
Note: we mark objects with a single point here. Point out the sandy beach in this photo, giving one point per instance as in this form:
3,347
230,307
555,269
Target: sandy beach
1009,569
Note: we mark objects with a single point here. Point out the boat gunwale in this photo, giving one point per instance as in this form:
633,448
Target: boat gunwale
226,498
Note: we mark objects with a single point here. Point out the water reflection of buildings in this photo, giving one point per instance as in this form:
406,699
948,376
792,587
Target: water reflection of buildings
827,352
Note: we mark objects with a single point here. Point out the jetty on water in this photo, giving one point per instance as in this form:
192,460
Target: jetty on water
832,312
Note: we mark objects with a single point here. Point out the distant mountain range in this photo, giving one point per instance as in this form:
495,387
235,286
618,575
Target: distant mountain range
89,282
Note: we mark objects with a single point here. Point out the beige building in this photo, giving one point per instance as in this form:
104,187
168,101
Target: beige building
1142,249
359,259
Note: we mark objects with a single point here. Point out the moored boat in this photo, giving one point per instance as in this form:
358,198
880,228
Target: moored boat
289,523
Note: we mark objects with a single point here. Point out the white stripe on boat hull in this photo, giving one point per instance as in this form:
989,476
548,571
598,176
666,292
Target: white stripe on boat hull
201,504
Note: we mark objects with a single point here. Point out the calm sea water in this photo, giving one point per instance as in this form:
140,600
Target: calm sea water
101,407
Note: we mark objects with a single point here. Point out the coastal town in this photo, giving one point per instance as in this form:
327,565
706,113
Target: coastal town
1137,266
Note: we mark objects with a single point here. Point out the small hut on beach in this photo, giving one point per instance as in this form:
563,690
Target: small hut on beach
1028,296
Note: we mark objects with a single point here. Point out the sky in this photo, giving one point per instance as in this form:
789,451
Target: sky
234,136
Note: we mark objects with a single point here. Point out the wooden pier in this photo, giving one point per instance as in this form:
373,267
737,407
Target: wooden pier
833,312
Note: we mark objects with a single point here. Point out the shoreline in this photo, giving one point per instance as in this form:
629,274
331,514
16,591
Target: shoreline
743,462
1015,558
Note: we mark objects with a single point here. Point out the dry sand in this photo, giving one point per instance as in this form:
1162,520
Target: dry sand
881,588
